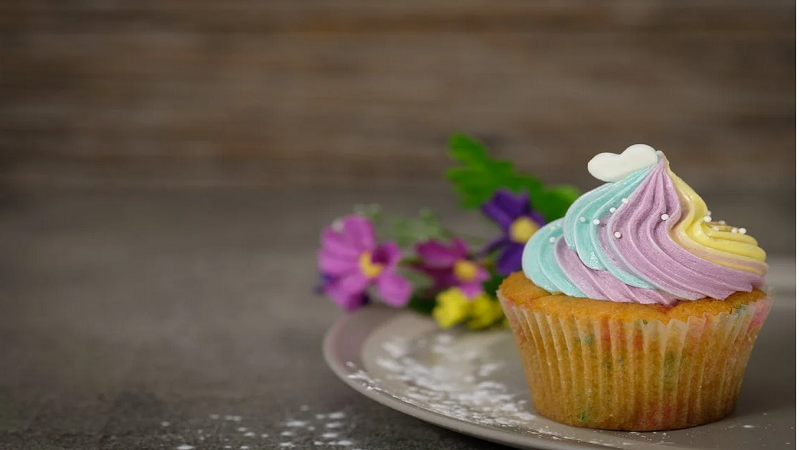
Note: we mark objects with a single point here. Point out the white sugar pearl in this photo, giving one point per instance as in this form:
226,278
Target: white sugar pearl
596,222
625,200
716,228
617,234
707,219
734,230
582,219
664,216
722,222
612,209
552,240
742,230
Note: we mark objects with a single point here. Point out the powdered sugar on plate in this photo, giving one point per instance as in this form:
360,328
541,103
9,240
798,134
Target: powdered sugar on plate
448,376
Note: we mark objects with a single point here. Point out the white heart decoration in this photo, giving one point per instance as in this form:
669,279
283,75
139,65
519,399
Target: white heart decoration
610,167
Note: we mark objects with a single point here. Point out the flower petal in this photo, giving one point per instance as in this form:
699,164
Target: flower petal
472,289
337,243
436,254
442,277
387,254
510,259
486,311
538,218
496,244
482,274
393,288
348,291
495,213
359,232
324,281
505,206
460,247
514,204
335,264
452,307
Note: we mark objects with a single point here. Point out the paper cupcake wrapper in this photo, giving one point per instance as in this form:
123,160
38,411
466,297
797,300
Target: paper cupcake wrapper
639,376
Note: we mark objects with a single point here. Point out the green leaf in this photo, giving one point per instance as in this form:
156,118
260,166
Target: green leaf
421,304
372,212
408,231
479,176
553,202
491,285
467,150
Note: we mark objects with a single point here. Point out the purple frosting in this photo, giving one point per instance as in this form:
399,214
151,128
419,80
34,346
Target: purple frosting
648,251
637,241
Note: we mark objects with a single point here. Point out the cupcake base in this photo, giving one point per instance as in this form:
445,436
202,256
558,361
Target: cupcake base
613,372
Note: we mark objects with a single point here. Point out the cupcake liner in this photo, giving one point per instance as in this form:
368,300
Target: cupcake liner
635,375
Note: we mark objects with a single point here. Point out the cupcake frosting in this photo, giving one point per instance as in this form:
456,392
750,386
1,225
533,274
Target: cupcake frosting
646,237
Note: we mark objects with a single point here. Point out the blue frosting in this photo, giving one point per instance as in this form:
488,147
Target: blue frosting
539,253
582,237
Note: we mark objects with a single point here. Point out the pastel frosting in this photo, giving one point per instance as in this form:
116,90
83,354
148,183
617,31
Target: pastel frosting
646,238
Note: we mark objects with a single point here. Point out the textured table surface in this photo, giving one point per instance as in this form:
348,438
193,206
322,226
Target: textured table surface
168,319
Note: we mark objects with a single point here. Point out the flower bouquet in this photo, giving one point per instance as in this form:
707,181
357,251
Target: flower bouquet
418,264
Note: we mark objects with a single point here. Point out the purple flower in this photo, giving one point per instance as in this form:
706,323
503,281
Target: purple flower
351,261
519,221
450,265
324,281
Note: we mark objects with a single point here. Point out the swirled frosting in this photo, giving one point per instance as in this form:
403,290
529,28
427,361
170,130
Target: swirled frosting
646,238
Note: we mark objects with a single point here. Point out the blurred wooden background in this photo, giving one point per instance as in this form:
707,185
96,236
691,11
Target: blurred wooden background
192,92
362,95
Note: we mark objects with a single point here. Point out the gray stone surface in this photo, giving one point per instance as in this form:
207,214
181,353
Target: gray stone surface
120,310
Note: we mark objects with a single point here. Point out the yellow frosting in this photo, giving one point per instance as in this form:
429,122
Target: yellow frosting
723,246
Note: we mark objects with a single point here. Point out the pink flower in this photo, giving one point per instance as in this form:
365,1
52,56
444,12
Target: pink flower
351,261
450,265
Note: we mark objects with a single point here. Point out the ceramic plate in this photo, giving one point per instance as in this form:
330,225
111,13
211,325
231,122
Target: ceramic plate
472,383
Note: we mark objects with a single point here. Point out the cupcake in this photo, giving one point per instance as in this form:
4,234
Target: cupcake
636,311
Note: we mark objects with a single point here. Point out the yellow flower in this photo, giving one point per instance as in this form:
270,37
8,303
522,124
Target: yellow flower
452,307
486,311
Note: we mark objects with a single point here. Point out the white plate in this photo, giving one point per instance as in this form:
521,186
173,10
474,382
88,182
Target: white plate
472,382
